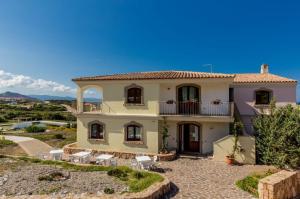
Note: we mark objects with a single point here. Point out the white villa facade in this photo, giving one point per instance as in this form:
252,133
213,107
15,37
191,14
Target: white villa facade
198,108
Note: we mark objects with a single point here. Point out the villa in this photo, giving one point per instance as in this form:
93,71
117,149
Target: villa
198,108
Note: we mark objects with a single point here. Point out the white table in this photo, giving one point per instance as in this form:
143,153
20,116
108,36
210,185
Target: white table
104,157
144,161
56,154
81,156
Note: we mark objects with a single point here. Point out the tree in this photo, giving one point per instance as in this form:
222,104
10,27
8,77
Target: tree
278,137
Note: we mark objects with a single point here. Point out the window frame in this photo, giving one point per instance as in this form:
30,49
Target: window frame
90,130
133,140
134,86
270,94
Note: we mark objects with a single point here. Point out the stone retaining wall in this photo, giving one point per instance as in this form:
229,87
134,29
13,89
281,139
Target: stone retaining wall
72,148
281,185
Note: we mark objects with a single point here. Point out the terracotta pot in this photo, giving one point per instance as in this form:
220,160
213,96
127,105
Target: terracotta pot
229,160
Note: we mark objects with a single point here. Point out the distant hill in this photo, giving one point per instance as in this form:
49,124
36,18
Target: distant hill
65,98
51,97
17,96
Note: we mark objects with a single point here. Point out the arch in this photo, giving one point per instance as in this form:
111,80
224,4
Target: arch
134,94
188,98
96,130
263,96
133,131
90,98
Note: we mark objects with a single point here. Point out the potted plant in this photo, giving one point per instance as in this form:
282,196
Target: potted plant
237,129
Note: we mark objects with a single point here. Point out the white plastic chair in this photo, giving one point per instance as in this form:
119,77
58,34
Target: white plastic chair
134,164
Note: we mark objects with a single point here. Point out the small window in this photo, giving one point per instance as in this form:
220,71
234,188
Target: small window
134,95
262,97
133,132
96,131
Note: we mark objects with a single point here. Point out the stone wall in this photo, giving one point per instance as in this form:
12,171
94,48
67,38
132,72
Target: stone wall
73,148
281,185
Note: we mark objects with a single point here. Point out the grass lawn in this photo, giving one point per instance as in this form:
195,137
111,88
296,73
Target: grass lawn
136,180
250,183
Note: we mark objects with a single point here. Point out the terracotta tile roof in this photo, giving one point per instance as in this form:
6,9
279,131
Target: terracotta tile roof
261,78
157,75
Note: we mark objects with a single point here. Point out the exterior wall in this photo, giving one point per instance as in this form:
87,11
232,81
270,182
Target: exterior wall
245,99
209,91
113,93
115,134
281,185
210,132
224,146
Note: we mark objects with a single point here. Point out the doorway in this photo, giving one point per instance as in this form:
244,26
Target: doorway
189,137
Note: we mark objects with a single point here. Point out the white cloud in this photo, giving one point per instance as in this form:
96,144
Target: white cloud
11,81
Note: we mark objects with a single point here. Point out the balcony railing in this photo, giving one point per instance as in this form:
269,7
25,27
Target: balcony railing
196,108
92,107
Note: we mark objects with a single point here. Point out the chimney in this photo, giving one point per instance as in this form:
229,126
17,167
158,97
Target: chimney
264,69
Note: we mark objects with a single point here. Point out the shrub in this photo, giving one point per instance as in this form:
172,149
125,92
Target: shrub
278,137
2,119
109,190
118,173
138,175
51,177
58,136
35,129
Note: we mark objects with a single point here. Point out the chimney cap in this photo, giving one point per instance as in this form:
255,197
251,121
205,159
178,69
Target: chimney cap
264,69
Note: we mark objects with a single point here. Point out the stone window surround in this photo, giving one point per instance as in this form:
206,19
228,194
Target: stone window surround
126,95
89,130
139,142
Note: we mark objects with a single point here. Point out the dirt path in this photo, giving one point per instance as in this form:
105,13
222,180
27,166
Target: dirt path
31,146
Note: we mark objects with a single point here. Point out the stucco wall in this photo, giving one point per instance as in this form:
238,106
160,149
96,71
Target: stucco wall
224,146
113,94
114,134
209,91
244,95
210,132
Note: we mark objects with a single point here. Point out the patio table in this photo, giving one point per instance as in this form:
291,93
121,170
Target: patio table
104,157
81,156
143,160
56,154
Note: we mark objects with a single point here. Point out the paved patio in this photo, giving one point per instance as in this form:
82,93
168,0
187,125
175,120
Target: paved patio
205,178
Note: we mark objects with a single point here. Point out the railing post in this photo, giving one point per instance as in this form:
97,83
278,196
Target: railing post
231,109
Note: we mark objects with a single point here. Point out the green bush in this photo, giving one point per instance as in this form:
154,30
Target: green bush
51,177
118,173
138,175
2,119
278,137
109,190
35,129
58,136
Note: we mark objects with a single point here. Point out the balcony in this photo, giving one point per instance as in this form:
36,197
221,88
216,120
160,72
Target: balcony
91,107
191,108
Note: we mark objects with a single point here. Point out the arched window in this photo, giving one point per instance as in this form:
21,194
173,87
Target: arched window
133,132
96,130
262,97
134,94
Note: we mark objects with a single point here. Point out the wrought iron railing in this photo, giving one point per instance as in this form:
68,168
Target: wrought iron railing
196,108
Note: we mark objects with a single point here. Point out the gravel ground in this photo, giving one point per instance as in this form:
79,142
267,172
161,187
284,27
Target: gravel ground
23,180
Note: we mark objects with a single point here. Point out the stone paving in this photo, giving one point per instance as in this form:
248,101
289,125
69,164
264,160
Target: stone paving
205,178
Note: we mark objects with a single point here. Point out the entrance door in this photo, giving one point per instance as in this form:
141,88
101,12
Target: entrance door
189,138
188,100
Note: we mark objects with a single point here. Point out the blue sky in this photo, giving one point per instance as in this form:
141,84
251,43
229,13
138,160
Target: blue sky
46,43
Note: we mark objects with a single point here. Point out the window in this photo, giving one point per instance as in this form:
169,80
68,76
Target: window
134,96
262,97
133,132
96,131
